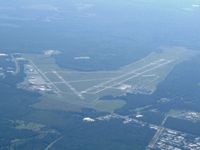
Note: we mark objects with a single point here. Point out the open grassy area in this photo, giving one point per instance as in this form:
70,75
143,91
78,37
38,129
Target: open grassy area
77,90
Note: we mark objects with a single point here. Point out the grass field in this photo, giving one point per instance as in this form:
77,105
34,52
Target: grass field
77,90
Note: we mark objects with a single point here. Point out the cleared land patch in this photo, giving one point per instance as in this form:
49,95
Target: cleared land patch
73,89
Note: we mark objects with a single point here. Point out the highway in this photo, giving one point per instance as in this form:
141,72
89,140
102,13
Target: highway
158,133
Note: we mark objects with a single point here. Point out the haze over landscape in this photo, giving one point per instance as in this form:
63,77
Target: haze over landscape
99,74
